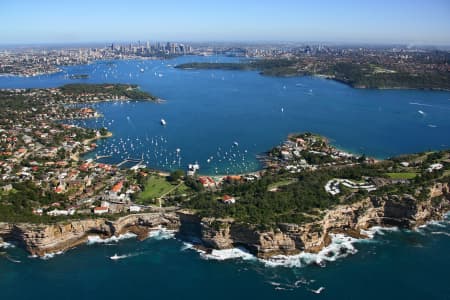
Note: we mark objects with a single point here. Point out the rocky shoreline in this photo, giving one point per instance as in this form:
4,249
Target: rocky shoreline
403,211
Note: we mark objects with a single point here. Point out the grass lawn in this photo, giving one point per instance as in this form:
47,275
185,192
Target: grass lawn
403,175
281,183
158,186
154,188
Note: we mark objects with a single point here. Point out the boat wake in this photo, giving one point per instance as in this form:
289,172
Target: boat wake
420,104
123,256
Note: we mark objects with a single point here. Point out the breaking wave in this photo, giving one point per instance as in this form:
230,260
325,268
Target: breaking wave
96,239
161,234
234,253
378,230
340,247
48,256
6,245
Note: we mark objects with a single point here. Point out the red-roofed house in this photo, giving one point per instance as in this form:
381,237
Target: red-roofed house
117,187
100,210
227,199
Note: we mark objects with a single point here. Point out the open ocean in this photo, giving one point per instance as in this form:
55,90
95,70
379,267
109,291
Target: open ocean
223,119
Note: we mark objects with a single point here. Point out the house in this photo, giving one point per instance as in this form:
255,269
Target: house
100,210
207,181
117,187
7,188
135,208
227,199
434,167
58,212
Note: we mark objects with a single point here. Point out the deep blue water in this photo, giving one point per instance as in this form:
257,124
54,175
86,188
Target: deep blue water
208,110
396,265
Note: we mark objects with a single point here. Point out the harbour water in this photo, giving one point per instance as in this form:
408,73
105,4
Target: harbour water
228,117
207,111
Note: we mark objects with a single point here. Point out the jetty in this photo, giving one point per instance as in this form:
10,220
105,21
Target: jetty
138,161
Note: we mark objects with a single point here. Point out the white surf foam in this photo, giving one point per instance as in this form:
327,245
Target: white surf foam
318,291
123,256
186,246
420,104
340,247
234,253
50,255
378,230
96,239
6,245
161,234
441,233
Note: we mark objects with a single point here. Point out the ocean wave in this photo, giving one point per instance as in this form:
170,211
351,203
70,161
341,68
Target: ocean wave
96,239
378,230
441,233
50,255
318,291
188,246
161,234
225,254
6,245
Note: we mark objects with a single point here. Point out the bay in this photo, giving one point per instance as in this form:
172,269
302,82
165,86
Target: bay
209,112
232,116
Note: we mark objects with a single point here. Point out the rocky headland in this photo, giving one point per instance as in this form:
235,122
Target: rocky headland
403,211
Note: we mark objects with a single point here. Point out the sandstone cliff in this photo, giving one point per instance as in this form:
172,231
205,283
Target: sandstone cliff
403,211
39,239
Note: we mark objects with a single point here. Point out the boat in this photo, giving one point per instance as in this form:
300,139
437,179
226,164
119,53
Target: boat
163,122
192,168
115,257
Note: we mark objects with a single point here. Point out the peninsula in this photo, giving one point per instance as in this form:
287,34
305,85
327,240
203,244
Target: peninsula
51,200
363,68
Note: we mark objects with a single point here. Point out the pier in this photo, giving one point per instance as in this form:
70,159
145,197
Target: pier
138,161
97,157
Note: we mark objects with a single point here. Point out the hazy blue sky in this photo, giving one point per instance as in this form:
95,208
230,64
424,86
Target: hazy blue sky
379,21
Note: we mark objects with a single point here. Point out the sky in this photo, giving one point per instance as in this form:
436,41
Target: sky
337,21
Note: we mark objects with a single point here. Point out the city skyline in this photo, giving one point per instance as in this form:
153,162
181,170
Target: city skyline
377,22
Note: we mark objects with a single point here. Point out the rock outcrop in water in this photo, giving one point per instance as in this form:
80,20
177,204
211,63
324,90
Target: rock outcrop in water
404,211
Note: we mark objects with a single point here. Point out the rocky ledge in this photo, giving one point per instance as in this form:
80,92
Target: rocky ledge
39,239
404,211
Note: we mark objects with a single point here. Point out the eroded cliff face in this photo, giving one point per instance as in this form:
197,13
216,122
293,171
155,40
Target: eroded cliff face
225,234
41,239
403,211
